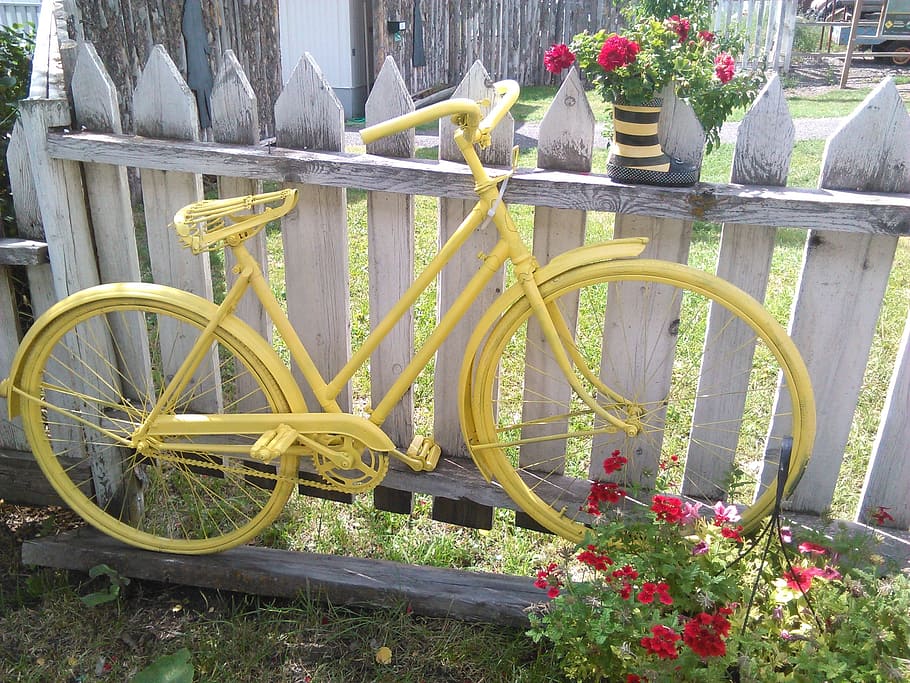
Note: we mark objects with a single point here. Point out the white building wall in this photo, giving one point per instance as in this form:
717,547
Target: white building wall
19,12
334,33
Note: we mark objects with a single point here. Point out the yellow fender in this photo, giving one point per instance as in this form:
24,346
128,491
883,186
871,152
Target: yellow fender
172,298
630,247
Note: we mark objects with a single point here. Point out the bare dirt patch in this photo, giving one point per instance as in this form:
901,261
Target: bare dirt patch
818,75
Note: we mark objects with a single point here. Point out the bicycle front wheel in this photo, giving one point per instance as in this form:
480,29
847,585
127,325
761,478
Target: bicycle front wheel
93,374
704,382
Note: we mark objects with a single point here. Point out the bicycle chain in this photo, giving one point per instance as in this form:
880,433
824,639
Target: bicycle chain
244,471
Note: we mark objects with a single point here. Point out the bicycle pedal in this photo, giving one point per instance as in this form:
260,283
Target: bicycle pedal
273,443
425,449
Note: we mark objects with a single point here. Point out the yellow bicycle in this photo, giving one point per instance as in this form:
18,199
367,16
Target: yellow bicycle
167,422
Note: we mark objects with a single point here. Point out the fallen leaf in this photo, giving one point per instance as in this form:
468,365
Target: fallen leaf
384,655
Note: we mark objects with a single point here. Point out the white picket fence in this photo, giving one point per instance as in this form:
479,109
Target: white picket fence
83,212
768,27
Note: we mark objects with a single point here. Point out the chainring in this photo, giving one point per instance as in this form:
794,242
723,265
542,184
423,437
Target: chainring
369,468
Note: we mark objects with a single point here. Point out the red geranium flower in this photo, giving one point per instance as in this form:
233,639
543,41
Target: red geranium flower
649,590
603,492
593,558
732,534
558,57
617,51
680,27
705,634
614,463
667,509
706,36
548,579
724,67
662,643
882,515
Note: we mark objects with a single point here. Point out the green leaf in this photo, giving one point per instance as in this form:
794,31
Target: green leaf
100,597
175,668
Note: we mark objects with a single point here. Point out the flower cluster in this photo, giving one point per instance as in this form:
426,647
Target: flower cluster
655,52
658,596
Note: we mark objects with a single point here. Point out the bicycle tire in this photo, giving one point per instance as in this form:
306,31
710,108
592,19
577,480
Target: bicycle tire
642,326
96,362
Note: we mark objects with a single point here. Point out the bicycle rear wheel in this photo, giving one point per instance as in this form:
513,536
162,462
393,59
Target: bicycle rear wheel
710,381
92,375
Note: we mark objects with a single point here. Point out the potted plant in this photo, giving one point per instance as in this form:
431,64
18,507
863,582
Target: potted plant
631,70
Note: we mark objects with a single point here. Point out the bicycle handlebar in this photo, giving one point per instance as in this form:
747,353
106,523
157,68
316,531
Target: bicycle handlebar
507,90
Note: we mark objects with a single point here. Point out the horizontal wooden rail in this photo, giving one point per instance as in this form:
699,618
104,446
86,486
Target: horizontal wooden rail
19,252
823,209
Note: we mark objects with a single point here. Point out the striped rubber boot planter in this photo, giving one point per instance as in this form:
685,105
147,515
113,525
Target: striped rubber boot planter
636,155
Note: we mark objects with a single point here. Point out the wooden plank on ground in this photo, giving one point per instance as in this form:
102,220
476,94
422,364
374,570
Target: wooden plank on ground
429,591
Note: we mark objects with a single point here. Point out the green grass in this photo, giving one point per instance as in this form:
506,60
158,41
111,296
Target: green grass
245,638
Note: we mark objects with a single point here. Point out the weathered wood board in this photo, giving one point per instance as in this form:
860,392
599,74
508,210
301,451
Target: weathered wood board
429,591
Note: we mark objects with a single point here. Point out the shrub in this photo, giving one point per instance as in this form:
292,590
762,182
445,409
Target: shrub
16,45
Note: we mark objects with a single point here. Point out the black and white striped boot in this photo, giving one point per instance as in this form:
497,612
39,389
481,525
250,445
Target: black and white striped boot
636,155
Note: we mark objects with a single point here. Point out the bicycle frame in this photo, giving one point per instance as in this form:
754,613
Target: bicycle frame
472,131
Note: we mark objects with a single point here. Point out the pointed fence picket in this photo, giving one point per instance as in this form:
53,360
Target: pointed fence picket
390,225
446,427
848,256
761,157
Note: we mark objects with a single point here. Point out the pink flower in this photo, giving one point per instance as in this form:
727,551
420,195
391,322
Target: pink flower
617,52
701,548
558,57
725,513
786,535
690,512
706,36
813,548
724,67
801,577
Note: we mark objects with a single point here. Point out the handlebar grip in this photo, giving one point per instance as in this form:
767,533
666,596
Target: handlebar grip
508,92
461,105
